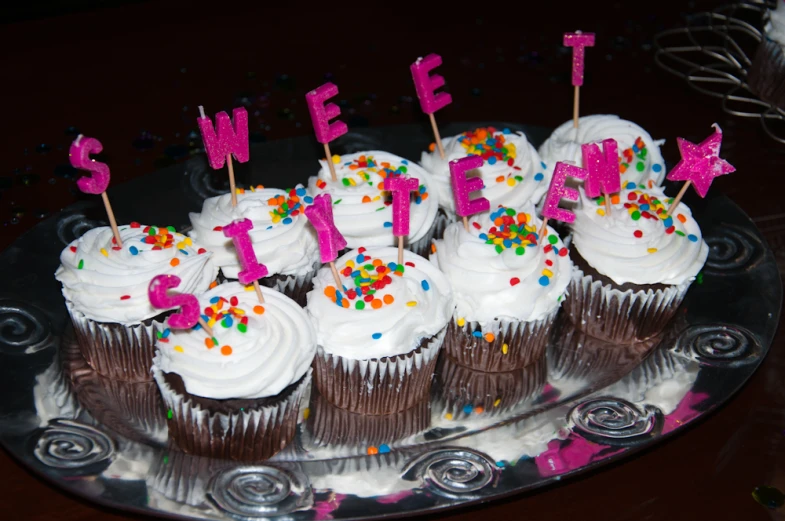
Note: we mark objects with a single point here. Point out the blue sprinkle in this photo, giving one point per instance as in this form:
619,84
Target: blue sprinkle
692,238
468,408
270,227
492,160
538,177
483,236
359,258
500,464
425,285
166,332
227,322
506,131
418,200
422,189
668,222
376,336
392,265
308,199
388,224
657,168
214,300
478,334
542,163
198,326
644,207
544,281
142,240
338,303
288,220
507,243
295,206
184,252
630,186
404,162
133,250
300,192
384,448
338,295
355,273
491,142
635,148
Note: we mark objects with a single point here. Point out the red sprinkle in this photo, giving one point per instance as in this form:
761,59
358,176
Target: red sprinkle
548,262
563,252
514,281
476,225
409,263
368,298
201,251
547,248
125,297
360,250
73,249
638,233
135,224
218,228
233,301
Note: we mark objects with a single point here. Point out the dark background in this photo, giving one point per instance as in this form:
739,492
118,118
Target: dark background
132,74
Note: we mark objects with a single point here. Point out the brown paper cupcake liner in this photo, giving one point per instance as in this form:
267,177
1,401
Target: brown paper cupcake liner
767,73
331,425
505,345
248,434
116,350
444,218
624,317
184,478
379,385
294,287
462,392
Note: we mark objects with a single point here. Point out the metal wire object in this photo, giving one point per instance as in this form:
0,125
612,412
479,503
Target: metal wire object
714,53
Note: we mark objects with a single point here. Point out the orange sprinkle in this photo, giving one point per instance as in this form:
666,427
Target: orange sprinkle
226,350
329,291
372,450
174,262
489,337
433,248
209,344
376,303
259,310
377,262
424,196
366,199
681,218
388,299
432,147
213,284
615,199
344,303
399,273
479,410
500,179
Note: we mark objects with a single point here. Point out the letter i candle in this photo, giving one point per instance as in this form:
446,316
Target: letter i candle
401,187
98,181
227,139
578,41
320,213
425,84
252,270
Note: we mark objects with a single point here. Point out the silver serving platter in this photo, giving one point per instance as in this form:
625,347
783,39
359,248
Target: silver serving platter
479,437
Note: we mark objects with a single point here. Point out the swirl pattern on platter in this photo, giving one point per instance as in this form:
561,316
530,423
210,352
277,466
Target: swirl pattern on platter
455,472
613,418
23,328
352,142
201,180
71,227
67,444
260,491
719,344
729,250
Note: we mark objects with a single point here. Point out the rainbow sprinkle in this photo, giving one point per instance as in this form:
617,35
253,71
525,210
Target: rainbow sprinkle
629,155
288,206
489,144
510,230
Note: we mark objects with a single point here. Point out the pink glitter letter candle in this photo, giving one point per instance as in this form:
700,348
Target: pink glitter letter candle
321,115
463,186
188,304
578,41
225,141
558,191
320,213
401,186
252,270
603,167
425,84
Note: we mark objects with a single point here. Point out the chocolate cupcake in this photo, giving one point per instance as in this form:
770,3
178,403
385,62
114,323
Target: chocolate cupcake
362,209
508,284
512,171
105,289
767,73
378,335
283,241
632,267
237,395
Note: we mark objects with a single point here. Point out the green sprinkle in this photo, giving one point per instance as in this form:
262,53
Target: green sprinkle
520,250
242,328
166,460
699,278
369,267
679,232
345,181
359,304
510,212
635,215
639,166
380,209
171,229
151,231
81,264
519,178
402,169
338,201
399,268
169,414
499,248
553,239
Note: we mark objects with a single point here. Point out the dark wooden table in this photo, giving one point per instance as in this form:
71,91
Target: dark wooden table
132,76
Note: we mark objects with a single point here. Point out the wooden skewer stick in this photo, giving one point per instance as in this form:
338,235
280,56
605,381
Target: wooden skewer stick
232,186
607,204
206,328
112,220
436,135
337,277
258,290
676,201
544,228
400,249
329,156
466,223
576,103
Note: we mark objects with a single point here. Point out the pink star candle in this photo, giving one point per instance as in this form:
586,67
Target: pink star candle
98,180
321,115
401,187
252,270
425,85
578,41
699,165
558,191
320,214
603,167
225,140
188,316
462,187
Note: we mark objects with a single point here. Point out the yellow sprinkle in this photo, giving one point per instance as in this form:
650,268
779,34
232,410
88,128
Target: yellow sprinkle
448,416
306,413
377,198
211,322
498,240
275,217
652,250
505,348
249,287
461,322
350,264
411,303
336,159
600,211
511,181
547,272
104,252
352,182
179,349
497,402
181,245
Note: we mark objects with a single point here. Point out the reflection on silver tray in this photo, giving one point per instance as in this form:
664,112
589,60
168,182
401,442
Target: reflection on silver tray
479,436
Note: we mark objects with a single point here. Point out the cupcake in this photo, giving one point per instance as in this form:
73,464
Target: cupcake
513,172
632,267
362,209
105,290
767,73
508,285
236,395
282,239
379,335
640,157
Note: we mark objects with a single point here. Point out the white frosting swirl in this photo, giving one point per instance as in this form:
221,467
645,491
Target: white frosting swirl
109,285
565,145
639,251
275,351
359,208
422,306
775,27
284,242
484,280
512,185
